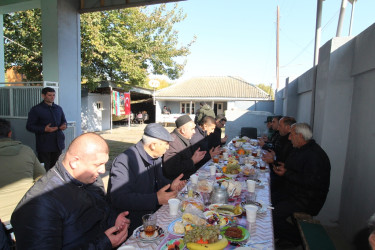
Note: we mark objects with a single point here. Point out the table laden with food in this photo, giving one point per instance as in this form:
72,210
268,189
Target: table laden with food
225,205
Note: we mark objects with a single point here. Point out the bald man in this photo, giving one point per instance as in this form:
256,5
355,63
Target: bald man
66,208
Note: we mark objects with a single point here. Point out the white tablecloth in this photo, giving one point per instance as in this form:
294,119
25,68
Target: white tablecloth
261,230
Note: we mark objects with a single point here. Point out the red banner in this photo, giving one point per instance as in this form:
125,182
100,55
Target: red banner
127,103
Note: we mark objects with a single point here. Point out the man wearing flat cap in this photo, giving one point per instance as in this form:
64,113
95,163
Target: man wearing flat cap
136,182
180,158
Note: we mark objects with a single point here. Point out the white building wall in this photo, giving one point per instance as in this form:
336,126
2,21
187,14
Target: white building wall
94,119
236,119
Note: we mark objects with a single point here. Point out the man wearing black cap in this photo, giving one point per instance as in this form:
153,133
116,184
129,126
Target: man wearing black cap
179,158
136,180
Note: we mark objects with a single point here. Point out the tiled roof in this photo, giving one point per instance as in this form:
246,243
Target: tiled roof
213,86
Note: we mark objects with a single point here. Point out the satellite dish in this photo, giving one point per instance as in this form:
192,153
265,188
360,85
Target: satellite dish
154,83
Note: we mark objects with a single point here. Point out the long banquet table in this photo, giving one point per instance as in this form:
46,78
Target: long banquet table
260,232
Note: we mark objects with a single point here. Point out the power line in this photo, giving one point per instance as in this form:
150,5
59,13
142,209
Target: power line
306,47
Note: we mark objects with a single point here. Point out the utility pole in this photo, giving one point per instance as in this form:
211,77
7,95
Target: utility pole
318,31
351,16
277,47
341,18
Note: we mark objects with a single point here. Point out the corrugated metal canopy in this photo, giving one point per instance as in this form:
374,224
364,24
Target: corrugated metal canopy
98,5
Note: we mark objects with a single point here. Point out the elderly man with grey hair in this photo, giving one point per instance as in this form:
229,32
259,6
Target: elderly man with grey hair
306,173
137,183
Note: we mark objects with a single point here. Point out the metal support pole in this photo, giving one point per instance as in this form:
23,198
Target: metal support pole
351,18
2,60
111,109
277,48
341,18
318,30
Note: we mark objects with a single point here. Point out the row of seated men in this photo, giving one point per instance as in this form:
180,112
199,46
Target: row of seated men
300,175
68,208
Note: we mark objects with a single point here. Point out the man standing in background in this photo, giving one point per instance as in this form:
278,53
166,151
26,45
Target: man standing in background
47,121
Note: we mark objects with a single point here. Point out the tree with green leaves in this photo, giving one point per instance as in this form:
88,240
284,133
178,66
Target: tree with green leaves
122,45
23,43
128,44
267,89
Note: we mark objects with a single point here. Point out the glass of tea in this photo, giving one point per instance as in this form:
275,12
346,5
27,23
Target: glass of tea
149,224
215,159
262,165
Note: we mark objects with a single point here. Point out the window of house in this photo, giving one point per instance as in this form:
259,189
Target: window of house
99,105
186,109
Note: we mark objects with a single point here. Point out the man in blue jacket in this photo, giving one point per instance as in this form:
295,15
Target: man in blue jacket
66,208
137,183
47,121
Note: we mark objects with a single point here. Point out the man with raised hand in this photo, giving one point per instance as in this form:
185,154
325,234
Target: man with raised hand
136,182
180,158
200,139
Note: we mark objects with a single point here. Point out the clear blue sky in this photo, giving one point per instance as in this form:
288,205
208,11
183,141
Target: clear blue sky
238,37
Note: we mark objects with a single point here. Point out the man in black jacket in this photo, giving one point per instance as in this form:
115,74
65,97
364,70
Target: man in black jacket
283,148
136,182
271,144
180,158
215,138
306,173
200,140
66,208
47,121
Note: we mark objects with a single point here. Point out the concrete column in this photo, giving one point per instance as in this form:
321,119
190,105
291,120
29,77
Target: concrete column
333,106
62,55
2,64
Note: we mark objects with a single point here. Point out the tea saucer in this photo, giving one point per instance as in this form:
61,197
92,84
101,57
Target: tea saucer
139,234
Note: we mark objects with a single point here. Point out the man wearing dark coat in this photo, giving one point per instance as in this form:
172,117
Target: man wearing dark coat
179,158
272,144
47,121
215,138
281,152
136,182
66,208
306,173
200,140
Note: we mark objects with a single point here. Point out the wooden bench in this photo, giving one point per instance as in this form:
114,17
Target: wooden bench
313,234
